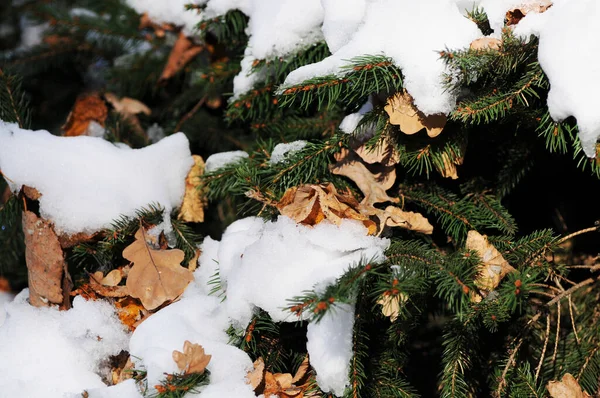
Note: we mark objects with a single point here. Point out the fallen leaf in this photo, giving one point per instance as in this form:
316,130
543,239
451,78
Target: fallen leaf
131,312
127,106
193,359
566,388
45,261
373,184
157,275
396,217
68,241
447,168
402,112
183,52
256,375
302,371
515,15
493,267
113,278
95,283
87,108
310,204
390,304
31,192
486,43
119,375
384,152
192,208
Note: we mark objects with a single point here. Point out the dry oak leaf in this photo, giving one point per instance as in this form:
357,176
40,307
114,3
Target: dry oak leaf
396,217
384,152
311,204
486,43
494,267
183,52
45,261
87,108
282,385
515,15
256,375
192,208
127,106
373,184
447,168
566,388
390,304
98,287
156,275
402,112
193,359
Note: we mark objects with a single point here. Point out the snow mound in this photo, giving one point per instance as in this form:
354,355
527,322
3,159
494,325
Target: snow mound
87,182
51,353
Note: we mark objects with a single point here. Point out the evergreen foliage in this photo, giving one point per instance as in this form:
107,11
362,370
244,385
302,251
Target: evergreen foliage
538,324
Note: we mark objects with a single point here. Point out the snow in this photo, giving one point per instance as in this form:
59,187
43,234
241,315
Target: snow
219,160
342,18
217,8
283,150
397,29
126,389
351,121
329,347
5,298
169,11
49,353
87,182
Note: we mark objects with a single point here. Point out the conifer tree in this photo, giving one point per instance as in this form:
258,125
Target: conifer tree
489,285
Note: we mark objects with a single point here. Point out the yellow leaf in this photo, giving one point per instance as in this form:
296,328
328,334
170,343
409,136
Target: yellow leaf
447,168
390,304
566,388
486,43
192,208
402,112
193,359
494,267
156,275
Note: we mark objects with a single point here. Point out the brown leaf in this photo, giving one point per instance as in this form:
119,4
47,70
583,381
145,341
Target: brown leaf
384,152
183,52
113,278
193,263
373,183
256,375
127,106
97,286
494,267
131,312
404,113
486,43
156,275
566,388
192,208
45,261
192,359
87,108
311,204
31,193
119,375
4,285
68,241
515,15
447,168
396,217
390,304
302,371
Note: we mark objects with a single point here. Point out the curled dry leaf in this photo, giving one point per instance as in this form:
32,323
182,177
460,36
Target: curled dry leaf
131,312
396,217
486,43
157,275
403,113
282,385
447,168
515,15
256,375
88,108
372,183
311,204
493,267
113,278
566,388
193,359
390,304
192,208
45,262
127,106
109,289
384,152
183,52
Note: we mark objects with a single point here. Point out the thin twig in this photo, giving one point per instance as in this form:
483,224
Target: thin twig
190,113
570,290
557,332
543,354
576,233
573,320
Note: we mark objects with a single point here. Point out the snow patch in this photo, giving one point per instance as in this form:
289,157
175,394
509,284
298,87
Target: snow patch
169,11
282,151
87,182
50,353
219,160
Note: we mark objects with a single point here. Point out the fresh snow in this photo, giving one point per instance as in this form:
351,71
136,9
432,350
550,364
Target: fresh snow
48,353
411,33
283,150
5,298
87,182
351,121
169,11
219,160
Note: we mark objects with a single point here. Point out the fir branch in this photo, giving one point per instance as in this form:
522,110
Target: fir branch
14,106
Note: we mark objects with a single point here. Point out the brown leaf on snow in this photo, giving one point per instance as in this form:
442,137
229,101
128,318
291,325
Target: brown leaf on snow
494,267
373,183
486,43
310,204
193,359
192,208
515,15
282,385
183,52
157,275
88,108
402,112
256,375
45,261
566,388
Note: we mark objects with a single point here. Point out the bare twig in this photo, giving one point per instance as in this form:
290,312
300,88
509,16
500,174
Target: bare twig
543,354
